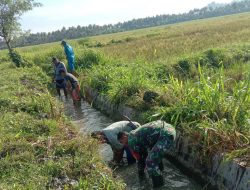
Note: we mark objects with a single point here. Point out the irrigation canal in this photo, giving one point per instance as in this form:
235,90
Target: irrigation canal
88,119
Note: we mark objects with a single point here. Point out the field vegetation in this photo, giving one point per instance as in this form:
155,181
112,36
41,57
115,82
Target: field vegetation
39,147
194,75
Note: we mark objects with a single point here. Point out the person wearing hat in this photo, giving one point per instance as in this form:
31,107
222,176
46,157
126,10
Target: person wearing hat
69,52
59,80
148,144
109,135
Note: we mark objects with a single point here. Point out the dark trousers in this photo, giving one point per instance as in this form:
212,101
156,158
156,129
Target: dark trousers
118,155
130,158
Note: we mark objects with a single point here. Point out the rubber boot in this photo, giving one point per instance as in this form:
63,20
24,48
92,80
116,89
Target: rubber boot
157,181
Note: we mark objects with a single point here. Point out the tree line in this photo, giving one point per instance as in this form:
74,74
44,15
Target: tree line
212,10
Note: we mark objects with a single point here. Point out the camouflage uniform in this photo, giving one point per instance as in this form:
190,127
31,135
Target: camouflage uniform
151,141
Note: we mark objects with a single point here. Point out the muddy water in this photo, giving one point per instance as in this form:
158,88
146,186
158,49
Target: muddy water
89,119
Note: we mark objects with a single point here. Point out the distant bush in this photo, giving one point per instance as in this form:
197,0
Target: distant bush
113,41
129,39
162,72
212,58
152,35
186,67
99,44
84,42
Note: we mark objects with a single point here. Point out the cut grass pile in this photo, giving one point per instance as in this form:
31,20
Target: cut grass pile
39,148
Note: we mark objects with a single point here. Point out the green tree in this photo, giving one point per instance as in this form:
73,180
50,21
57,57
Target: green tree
10,13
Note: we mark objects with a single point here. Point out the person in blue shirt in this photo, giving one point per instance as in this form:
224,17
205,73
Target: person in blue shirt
69,52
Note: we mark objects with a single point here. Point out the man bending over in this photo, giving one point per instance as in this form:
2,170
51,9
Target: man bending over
149,144
109,135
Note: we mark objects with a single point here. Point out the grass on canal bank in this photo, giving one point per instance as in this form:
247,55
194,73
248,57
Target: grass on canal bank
39,148
206,96
194,75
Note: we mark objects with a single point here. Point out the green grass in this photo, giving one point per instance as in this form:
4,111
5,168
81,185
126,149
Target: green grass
38,144
198,69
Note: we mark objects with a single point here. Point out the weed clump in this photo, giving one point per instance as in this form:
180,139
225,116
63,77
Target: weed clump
16,58
88,59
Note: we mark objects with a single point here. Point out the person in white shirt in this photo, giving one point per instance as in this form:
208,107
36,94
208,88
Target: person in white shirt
109,135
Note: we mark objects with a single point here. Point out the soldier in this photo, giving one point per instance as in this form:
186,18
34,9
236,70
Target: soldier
109,135
156,137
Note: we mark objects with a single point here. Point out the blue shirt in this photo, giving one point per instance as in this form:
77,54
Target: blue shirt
69,52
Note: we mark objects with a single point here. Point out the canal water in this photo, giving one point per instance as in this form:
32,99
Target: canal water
88,120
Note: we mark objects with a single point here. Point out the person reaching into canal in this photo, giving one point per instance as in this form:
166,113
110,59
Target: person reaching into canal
157,137
73,83
109,135
69,52
58,79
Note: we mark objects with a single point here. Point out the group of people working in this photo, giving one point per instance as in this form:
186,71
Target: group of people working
147,144
64,78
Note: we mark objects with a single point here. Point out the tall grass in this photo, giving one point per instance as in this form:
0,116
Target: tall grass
219,116
39,148
208,100
199,69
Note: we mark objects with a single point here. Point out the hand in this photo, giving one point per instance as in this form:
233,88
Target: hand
136,155
103,141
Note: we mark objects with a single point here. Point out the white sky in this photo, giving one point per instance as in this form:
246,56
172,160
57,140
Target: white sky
58,13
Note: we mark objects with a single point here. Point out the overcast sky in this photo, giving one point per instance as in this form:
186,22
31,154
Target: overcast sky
54,14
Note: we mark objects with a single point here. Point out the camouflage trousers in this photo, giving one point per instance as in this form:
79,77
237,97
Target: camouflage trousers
156,154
